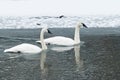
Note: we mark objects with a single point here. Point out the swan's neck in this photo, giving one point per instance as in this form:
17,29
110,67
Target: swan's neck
77,35
42,40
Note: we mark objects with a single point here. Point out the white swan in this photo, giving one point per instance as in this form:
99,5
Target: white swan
29,48
61,40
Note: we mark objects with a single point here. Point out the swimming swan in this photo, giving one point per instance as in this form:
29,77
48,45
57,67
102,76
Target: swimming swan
65,41
29,48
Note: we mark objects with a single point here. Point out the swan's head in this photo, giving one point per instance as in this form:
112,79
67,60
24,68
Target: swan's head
45,29
79,24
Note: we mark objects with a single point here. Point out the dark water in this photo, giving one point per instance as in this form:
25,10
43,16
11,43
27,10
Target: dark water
97,59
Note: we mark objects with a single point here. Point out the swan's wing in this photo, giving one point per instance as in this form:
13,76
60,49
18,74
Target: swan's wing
38,41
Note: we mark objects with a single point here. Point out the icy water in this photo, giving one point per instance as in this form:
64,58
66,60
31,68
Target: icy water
97,59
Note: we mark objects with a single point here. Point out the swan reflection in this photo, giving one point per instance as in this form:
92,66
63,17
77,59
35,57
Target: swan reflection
43,67
79,62
65,48
62,48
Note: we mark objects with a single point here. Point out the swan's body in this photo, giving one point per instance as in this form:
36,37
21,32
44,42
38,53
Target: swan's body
24,48
61,40
29,48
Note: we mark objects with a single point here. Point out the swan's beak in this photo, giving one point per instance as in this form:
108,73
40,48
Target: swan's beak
49,31
84,25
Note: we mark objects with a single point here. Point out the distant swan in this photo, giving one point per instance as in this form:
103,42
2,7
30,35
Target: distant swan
29,48
61,40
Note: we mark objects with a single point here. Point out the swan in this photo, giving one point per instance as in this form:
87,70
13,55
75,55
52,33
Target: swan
65,41
29,48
